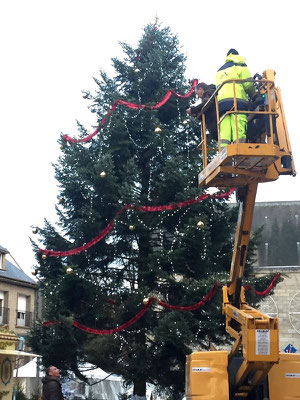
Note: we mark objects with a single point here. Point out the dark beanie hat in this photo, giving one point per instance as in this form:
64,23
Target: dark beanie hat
232,51
202,85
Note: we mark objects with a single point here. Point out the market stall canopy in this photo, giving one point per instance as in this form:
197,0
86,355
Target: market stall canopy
29,370
18,353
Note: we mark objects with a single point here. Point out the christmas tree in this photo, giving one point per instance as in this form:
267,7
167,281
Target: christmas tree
145,157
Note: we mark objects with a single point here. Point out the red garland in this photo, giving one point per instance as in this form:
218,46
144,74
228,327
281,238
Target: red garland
133,106
119,328
266,291
194,306
48,323
140,314
167,306
110,226
82,248
107,331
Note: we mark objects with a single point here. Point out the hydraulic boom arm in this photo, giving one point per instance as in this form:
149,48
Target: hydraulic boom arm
255,331
264,156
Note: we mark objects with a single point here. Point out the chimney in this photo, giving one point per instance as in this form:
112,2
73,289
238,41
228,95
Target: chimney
3,253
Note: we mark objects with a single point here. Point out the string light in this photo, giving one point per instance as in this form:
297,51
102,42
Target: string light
151,168
141,129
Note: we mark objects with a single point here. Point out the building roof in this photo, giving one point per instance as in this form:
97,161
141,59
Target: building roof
3,250
16,274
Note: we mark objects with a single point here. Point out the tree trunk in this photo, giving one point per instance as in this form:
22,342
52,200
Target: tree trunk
139,388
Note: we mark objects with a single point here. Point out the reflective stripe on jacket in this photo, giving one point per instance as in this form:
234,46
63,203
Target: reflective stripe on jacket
234,68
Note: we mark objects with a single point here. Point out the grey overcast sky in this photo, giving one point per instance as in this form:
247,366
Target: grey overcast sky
51,50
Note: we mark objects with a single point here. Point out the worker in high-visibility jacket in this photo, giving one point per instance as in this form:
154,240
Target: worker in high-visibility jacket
234,68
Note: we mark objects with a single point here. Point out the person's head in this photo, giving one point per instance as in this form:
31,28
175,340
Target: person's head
53,371
200,89
232,51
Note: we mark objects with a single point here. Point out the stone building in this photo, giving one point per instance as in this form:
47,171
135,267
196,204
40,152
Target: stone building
280,239
18,296
279,251
18,300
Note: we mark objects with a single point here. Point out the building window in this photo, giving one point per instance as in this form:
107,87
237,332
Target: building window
23,313
3,308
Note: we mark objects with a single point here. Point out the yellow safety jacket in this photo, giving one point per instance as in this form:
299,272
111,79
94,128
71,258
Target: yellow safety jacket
234,68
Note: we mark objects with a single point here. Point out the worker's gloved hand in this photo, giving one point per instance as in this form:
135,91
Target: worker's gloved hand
188,110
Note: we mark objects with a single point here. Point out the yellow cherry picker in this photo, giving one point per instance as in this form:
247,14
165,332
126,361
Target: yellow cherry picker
262,372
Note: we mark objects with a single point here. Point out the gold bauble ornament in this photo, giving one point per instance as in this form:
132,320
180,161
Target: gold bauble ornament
146,300
157,130
69,270
102,174
200,224
34,230
131,227
137,70
44,256
185,122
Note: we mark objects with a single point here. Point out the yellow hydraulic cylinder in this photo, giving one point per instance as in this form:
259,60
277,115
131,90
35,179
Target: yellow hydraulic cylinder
207,376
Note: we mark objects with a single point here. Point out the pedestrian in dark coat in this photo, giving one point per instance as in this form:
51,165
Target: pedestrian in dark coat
204,92
51,384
